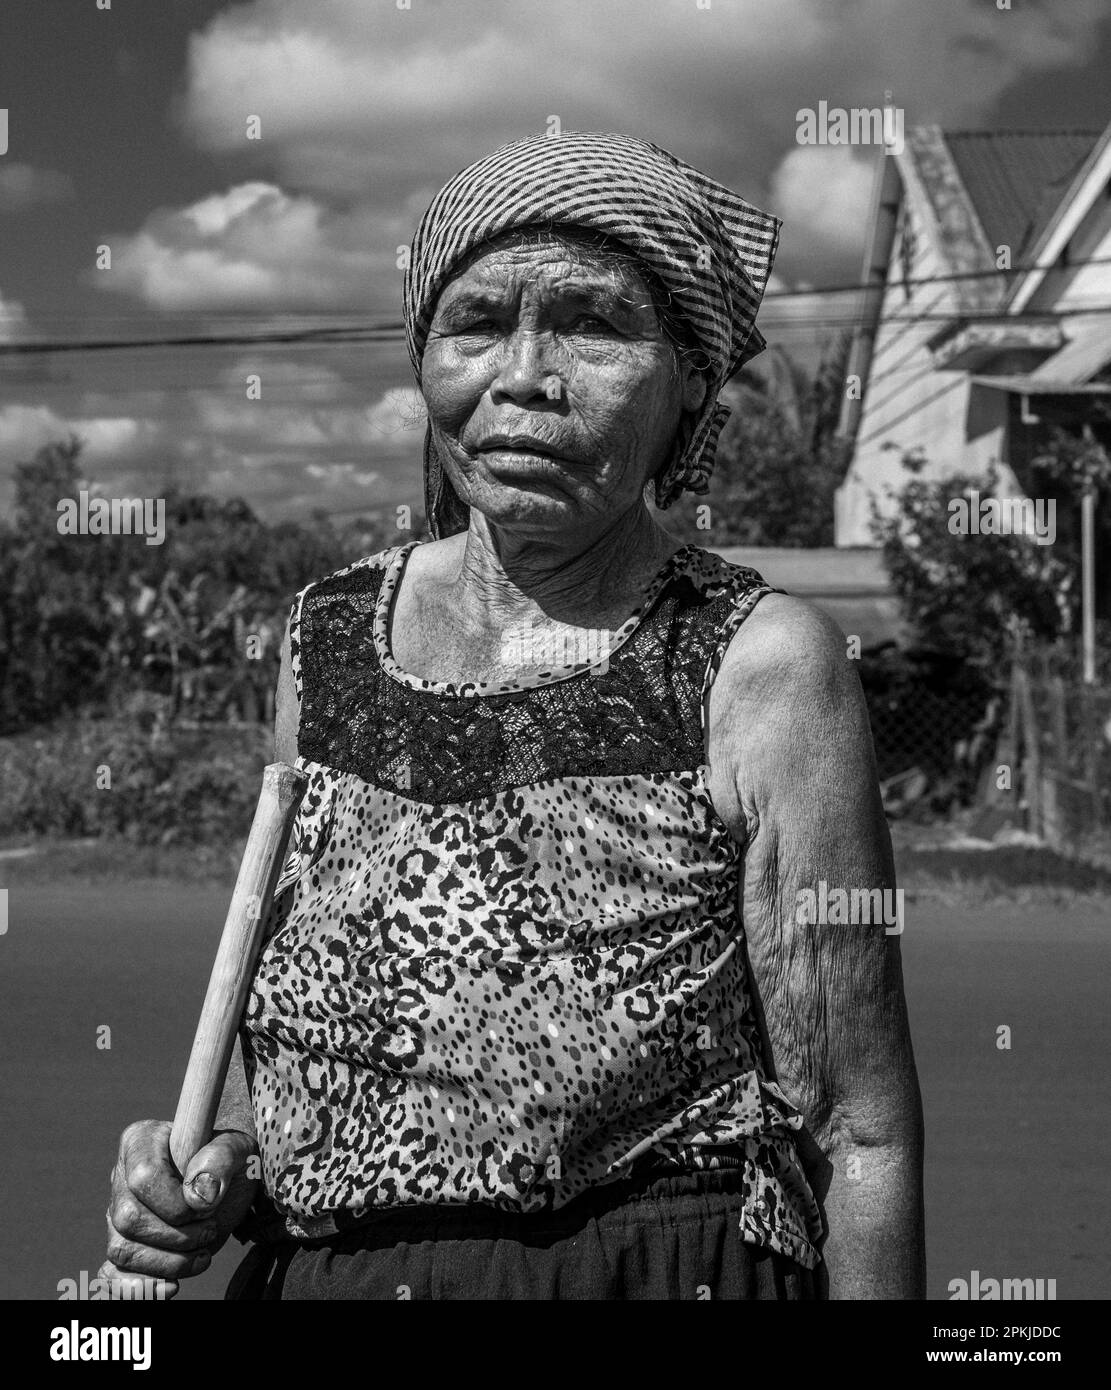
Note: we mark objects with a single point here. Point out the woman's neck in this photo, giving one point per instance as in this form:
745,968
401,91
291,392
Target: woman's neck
503,580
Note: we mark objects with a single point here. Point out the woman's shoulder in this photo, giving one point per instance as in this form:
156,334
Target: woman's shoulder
348,593
788,654
768,640
358,575
715,576
712,571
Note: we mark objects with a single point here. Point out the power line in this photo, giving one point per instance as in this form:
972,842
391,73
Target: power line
991,274
380,336
390,331
283,337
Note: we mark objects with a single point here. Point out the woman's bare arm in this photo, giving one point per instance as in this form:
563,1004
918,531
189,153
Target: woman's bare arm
793,775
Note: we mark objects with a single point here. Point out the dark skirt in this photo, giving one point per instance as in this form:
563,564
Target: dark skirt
663,1238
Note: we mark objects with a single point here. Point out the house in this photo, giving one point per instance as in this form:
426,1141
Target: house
990,320
850,586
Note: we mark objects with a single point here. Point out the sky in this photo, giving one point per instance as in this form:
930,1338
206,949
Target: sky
128,125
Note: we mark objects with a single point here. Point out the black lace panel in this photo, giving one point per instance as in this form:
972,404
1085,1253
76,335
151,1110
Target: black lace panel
642,715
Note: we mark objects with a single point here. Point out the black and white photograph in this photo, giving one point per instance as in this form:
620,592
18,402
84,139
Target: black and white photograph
555,667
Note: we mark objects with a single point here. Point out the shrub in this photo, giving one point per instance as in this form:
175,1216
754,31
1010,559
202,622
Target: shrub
167,785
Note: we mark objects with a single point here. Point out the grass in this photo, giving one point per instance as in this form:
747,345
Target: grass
951,876
116,861
1011,873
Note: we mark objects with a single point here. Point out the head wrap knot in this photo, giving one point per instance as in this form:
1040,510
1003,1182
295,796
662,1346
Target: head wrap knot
711,251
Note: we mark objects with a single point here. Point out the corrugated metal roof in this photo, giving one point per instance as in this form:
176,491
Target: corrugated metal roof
1017,178
1087,349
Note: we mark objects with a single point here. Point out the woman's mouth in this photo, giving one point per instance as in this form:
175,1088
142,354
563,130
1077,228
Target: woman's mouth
517,455
518,445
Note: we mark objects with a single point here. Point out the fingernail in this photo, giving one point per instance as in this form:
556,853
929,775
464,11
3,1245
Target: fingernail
201,1262
205,1186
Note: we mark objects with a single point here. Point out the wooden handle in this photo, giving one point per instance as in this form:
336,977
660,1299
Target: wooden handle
282,789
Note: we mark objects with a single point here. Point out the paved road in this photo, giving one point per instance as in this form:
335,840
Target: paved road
1017,1139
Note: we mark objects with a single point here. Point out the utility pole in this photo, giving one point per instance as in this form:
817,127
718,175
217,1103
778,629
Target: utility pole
1088,581
1088,566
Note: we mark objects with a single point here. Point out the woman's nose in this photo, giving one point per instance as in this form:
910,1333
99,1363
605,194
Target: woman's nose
526,370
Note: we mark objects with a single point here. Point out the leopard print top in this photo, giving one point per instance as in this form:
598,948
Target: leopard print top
504,962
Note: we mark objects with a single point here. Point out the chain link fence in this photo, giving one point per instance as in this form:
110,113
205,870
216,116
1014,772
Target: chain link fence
1060,734
1030,751
933,728
935,732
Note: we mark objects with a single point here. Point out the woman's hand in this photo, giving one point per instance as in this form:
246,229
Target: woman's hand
164,1229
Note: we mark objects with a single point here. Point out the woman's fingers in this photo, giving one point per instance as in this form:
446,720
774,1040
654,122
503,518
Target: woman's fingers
146,1170
138,1257
218,1168
134,1287
134,1222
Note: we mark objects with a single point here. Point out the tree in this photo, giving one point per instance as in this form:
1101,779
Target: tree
88,621
779,461
967,595
54,628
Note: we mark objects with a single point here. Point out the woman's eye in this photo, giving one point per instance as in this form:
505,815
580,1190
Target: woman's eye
592,323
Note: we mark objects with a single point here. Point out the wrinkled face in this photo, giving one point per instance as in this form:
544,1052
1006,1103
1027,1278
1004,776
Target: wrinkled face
552,389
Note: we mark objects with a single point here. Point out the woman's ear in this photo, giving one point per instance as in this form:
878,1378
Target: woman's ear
694,388
692,398
444,511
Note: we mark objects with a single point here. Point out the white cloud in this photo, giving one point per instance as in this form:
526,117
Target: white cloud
25,428
294,381
373,107
256,247
360,102
347,93
400,411
12,319
109,440
311,441
823,193
364,113
284,420
22,187
343,474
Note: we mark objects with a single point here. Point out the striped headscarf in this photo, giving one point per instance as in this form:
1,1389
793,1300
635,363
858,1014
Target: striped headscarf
711,251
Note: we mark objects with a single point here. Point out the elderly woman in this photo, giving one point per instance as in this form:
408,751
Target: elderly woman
537,1015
